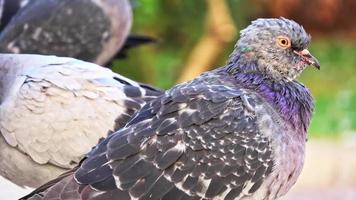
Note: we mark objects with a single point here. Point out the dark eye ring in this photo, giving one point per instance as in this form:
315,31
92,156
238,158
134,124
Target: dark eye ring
283,42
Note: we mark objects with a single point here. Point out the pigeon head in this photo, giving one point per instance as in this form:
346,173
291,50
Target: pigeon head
276,47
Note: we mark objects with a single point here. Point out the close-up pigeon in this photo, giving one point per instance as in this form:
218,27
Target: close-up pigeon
236,132
88,30
53,110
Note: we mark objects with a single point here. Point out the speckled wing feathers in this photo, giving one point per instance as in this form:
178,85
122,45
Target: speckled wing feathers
89,30
194,142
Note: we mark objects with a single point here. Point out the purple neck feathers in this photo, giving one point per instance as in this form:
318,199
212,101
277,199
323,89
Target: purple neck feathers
290,98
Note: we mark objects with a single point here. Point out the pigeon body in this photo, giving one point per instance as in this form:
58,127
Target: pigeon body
56,29
237,132
90,30
53,110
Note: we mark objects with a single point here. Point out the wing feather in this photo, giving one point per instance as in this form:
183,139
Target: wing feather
201,143
58,108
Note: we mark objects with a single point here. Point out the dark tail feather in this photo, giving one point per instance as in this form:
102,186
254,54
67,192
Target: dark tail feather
134,41
89,193
63,181
10,9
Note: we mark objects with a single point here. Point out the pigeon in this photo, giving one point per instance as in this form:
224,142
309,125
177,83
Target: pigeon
88,30
54,109
236,132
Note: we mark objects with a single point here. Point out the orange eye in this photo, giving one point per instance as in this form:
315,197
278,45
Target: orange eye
283,42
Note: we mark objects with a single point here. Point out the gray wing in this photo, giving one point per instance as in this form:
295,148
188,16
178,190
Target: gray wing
85,29
194,142
55,109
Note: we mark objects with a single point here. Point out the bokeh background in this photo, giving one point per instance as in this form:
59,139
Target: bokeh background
195,36
198,35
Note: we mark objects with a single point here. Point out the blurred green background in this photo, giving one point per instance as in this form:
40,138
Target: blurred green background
179,25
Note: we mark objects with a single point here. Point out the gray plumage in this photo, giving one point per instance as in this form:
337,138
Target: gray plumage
53,110
55,27
237,132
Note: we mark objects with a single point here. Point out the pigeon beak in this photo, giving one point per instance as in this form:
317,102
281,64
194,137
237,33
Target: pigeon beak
308,58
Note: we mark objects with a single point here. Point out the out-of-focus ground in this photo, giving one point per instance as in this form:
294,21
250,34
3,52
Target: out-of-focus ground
329,172
323,194
10,191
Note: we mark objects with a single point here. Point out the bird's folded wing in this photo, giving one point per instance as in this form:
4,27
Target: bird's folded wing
200,141
60,110
38,28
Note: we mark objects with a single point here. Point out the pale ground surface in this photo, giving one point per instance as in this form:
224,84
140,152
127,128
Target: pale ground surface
329,174
10,191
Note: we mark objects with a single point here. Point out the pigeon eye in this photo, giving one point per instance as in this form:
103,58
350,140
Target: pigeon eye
283,42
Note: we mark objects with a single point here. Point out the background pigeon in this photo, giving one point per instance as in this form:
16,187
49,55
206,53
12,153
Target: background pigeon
237,132
53,110
85,29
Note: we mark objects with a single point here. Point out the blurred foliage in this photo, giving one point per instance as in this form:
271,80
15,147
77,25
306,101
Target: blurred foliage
179,24
334,87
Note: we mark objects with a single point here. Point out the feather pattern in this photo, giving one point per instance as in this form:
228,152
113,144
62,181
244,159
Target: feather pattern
197,141
89,30
55,109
